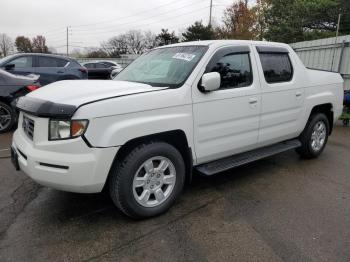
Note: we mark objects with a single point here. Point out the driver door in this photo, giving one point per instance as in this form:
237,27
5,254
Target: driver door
226,121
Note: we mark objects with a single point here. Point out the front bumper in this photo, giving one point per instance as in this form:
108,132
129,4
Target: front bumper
68,165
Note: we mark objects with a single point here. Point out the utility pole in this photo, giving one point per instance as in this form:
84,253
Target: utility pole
336,41
67,40
210,12
338,25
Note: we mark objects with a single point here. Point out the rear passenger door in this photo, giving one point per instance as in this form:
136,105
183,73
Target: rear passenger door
282,95
226,121
50,69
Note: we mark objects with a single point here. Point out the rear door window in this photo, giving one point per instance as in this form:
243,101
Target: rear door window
277,67
51,62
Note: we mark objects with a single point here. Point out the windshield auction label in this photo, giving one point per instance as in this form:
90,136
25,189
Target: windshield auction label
184,56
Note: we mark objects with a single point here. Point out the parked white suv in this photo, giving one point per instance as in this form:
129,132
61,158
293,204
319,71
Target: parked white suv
209,105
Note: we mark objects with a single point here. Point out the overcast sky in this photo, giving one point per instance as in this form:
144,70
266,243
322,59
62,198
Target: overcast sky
93,21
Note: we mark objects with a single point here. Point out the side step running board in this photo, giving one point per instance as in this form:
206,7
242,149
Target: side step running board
227,163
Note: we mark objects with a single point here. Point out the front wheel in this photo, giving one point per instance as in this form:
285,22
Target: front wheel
7,117
314,137
148,180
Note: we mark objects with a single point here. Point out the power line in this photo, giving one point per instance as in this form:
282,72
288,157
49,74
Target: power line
169,18
92,45
136,21
136,14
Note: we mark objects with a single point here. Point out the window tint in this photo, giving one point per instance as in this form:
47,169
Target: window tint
277,67
234,69
109,64
101,65
51,62
22,62
89,66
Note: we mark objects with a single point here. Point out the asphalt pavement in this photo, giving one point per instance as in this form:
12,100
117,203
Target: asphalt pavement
281,208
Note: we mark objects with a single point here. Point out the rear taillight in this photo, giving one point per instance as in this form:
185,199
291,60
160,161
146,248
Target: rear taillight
31,88
83,70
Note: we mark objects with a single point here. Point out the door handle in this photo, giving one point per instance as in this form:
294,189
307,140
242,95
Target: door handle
298,94
253,101
60,72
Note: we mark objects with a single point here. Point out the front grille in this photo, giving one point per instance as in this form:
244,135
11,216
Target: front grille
28,126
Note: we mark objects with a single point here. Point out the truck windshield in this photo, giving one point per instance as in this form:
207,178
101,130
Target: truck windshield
169,66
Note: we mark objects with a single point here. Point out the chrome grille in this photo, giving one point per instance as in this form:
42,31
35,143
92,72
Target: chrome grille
28,126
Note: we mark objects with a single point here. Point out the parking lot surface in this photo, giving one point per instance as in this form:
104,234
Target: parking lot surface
278,209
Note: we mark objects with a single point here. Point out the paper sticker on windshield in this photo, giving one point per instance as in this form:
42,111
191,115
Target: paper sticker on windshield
184,56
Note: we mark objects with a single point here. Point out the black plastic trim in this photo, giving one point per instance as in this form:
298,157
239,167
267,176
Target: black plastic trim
22,154
271,49
86,141
43,108
54,166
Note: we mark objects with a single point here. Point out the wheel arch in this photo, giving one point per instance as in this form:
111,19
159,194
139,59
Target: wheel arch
326,109
176,138
5,100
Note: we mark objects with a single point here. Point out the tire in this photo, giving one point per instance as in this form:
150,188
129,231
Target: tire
313,142
346,122
7,118
127,173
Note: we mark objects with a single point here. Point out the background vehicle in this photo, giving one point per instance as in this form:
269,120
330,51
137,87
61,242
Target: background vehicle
50,68
102,69
12,87
208,105
346,112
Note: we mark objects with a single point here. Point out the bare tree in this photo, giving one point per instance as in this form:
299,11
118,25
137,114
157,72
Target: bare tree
115,46
39,44
151,40
135,41
132,42
6,44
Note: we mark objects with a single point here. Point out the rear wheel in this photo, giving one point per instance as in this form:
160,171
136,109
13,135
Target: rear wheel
148,180
314,137
7,117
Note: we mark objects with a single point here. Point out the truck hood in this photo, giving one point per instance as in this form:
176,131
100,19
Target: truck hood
62,99
78,92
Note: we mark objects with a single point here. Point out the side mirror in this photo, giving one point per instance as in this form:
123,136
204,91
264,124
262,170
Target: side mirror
9,67
210,82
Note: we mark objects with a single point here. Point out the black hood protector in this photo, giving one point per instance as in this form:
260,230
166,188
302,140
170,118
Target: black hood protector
43,108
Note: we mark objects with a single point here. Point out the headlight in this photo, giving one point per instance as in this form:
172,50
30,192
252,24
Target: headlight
66,129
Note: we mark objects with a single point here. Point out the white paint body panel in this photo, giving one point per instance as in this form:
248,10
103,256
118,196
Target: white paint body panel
216,124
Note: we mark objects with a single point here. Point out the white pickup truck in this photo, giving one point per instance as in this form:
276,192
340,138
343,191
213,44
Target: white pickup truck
209,106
